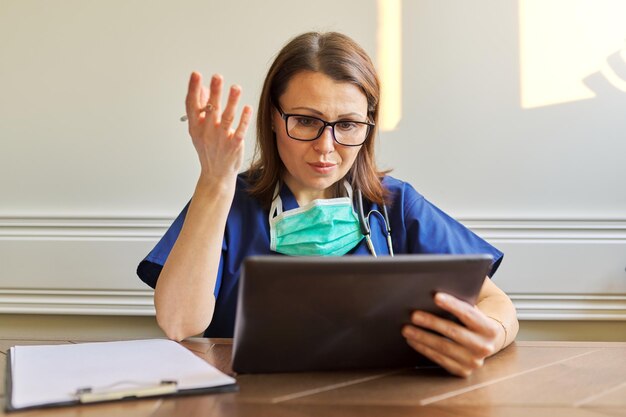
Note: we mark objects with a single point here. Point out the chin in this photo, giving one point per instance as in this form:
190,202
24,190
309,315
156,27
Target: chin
321,184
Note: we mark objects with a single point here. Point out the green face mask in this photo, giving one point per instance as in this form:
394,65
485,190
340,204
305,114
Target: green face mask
325,227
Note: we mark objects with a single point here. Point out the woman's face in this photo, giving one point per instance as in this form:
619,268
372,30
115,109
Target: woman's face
313,167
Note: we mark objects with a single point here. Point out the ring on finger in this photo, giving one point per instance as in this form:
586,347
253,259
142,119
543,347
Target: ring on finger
208,108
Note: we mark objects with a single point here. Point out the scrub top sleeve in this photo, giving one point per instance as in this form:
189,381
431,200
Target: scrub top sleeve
150,267
430,230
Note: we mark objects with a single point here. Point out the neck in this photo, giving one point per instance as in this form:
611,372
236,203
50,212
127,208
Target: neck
305,196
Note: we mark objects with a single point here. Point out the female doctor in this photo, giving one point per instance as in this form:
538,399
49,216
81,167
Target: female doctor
313,171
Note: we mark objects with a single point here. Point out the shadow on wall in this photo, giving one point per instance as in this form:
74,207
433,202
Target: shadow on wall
610,81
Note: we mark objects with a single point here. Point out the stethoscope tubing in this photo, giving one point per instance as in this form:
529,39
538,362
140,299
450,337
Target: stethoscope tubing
365,224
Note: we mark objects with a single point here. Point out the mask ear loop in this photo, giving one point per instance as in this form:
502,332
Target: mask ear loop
277,204
365,228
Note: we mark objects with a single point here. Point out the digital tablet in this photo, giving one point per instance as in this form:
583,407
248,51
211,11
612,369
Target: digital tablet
332,313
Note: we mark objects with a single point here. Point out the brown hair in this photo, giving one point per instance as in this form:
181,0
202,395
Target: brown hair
342,59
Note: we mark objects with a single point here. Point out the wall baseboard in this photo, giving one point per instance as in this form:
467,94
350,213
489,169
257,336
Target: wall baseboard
79,302
554,269
570,307
552,307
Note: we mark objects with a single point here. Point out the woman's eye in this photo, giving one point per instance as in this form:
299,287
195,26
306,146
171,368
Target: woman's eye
346,125
305,121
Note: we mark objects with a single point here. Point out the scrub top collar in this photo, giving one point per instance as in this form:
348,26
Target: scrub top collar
287,197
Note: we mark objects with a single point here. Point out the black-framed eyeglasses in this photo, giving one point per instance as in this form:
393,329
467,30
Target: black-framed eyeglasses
308,128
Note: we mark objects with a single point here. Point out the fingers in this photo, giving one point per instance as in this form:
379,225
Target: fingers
203,103
229,112
246,116
452,356
200,98
475,343
444,361
194,101
453,331
204,96
469,315
215,97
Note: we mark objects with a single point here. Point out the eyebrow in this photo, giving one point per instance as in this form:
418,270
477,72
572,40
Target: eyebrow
319,113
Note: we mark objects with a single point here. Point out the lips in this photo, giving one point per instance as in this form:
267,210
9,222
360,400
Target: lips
323,168
322,164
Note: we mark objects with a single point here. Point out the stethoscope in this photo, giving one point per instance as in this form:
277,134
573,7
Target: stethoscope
364,222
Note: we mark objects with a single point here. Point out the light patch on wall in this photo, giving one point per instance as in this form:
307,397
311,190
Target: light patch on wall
390,62
562,42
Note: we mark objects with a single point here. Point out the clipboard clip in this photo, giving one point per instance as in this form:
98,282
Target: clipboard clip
90,395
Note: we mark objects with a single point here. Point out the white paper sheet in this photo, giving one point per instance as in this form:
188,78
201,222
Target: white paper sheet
52,374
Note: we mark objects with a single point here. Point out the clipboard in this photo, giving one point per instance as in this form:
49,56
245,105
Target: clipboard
65,375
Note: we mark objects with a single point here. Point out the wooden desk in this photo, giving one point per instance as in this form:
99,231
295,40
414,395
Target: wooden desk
570,379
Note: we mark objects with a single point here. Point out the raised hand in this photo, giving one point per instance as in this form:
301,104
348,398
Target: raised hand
218,143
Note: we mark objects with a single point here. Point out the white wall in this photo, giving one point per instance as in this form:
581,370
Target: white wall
94,163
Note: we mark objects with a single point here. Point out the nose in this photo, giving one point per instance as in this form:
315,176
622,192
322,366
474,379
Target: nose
325,143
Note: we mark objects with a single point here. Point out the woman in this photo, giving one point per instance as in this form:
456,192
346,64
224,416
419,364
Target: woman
316,128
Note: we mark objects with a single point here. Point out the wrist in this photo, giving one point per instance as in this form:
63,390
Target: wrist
215,187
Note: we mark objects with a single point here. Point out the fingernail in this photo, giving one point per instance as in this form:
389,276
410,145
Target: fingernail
417,317
442,297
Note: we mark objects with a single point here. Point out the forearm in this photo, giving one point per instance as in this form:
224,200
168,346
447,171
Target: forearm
494,303
183,295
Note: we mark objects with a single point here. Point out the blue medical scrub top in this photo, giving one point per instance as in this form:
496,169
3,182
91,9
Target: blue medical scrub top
417,226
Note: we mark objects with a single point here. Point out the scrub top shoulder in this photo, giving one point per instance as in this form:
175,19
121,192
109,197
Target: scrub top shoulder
417,226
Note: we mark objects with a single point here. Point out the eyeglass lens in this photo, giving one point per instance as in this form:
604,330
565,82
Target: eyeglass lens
310,128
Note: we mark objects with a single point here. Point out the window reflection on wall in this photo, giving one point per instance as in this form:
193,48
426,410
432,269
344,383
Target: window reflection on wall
567,45
389,62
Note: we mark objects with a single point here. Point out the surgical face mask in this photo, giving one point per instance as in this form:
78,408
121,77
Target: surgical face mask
325,227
